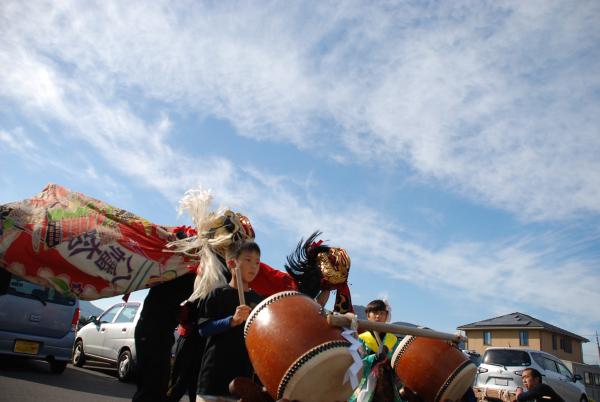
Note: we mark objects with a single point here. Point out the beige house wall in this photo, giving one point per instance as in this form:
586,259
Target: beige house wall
576,348
538,340
501,338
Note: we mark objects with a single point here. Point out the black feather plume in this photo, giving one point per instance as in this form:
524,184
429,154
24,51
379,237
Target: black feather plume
302,265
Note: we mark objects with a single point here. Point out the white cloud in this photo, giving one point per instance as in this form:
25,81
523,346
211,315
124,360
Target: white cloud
492,100
456,99
17,142
523,271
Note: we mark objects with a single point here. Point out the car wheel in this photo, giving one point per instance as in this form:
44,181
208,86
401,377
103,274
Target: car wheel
57,366
78,355
125,366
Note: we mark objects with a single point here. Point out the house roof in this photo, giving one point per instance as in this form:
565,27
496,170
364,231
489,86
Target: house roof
517,321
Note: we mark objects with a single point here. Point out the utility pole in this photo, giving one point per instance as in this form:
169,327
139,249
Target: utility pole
598,344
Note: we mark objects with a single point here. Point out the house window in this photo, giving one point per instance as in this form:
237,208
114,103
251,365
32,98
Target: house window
487,338
523,338
554,342
597,378
587,377
565,344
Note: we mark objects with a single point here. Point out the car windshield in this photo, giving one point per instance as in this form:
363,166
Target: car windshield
507,357
21,287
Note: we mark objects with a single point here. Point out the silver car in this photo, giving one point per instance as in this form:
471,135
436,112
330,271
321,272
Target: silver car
501,369
36,322
110,338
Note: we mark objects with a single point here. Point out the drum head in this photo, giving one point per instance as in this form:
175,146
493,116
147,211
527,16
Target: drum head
260,306
400,349
448,380
320,378
459,382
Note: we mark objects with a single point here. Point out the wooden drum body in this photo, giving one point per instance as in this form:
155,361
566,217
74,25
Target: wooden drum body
433,368
295,352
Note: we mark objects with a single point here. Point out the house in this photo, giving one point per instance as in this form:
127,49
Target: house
591,378
518,330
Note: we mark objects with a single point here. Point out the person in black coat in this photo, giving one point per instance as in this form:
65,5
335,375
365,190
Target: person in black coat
154,337
188,356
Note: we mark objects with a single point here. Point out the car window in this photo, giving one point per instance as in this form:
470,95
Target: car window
110,313
23,288
564,370
127,314
507,357
549,364
538,358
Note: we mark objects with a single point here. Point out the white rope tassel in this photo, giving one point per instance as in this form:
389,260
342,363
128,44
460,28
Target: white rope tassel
388,309
197,203
352,372
211,276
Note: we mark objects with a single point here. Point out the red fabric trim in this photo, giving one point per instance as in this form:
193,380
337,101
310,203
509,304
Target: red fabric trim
184,329
270,281
188,230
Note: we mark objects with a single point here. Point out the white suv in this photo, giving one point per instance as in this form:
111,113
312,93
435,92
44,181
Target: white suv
110,338
501,369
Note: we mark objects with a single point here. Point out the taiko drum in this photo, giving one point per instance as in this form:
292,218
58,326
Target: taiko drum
296,354
434,369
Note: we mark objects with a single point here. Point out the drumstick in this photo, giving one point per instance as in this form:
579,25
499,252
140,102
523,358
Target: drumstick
240,285
378,339
343,321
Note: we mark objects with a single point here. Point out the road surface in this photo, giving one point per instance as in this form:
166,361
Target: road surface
31,381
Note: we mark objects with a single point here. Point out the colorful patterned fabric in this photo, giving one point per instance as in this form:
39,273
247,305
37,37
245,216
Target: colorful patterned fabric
379,382
84,247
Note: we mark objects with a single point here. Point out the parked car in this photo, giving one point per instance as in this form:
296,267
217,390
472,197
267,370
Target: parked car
36,322
110,338
501,369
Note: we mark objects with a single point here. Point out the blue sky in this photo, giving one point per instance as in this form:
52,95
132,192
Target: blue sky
451,147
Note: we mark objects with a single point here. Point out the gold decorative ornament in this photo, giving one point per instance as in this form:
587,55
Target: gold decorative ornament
334,265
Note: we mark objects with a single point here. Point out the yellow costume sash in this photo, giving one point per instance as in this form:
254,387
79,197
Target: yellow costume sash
370,342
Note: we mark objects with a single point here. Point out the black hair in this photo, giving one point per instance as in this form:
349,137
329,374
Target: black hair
240,247
376,305
534,373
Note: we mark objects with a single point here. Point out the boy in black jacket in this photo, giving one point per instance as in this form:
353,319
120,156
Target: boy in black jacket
225,356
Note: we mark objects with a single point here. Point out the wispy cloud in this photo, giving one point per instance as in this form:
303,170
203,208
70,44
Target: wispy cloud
17,142
493,100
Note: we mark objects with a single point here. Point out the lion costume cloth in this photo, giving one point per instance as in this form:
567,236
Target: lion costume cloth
86,248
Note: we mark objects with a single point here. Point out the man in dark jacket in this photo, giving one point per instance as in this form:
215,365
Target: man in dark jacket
154,337
536,390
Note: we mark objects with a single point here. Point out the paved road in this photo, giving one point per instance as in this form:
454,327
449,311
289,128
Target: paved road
28,380
23,380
